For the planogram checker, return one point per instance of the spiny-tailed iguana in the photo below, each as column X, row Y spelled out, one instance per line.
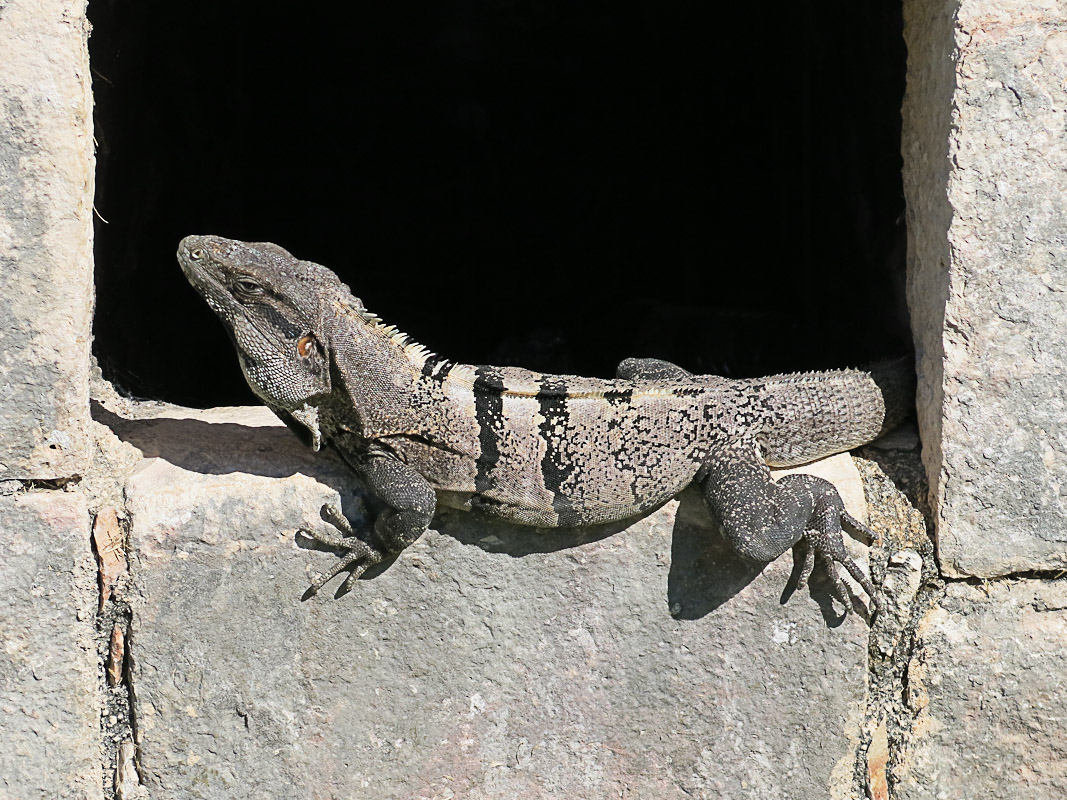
column 542, row 450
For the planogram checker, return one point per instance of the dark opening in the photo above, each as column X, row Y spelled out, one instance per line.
column 521, row 182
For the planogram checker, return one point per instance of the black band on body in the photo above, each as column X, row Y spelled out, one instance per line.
column 556, row 466
column 489, row 414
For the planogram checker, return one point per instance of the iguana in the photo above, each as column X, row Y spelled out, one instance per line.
column 535, row 449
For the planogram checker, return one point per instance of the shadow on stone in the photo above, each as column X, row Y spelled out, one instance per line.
column 705, row 571
column 520, row 541
column 219, row 448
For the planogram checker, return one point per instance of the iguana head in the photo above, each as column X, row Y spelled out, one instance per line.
column 270, row 303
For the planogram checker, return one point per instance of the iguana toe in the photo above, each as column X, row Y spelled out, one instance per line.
column 825, row 543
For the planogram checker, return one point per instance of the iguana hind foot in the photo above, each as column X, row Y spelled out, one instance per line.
column 823, row 540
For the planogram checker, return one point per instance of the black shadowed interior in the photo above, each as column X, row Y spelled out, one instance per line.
column 527, row 183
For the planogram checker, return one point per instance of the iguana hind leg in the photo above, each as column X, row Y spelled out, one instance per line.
column 656, row 369
column 824, row 536
column 762, row 519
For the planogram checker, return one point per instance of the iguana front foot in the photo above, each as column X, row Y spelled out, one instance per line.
column 824, row 539
column 357, row 560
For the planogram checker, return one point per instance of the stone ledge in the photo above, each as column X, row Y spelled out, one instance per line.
column 487, row 661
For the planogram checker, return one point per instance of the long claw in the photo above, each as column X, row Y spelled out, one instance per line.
column 825, row 542
column 328, row 538
column 359, row 557
column 866, row 535
column 344, row 563
column 830, row 549
column 359, row 553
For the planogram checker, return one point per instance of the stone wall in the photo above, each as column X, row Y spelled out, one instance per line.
column 46, row 235
column 49, row 703
column 985, row 145
column 186, row 660
column 984, row 152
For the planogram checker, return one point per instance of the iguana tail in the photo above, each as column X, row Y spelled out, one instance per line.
column 814, row 415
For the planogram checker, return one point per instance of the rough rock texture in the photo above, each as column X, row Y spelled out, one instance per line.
column 988, row 275
column 49, row 706
column 990, row 692
column 46, row 279
column 487, row 661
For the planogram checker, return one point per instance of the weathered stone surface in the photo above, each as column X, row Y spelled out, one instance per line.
column 984, row 145
column 49, row 704
column 927, row 123
column 487, row 661
column 46, row 281
column 988, row 685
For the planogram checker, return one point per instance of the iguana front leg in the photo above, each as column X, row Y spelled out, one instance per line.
column 410, row 502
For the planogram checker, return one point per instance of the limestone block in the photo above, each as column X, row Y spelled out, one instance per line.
column 987, row 684
column 487, row 661
column 46, row 279
column 49, row 703
column 984, row 146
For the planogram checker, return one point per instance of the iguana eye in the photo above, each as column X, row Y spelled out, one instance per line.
column 303, row 346
column 247, row 286
column 196, row 254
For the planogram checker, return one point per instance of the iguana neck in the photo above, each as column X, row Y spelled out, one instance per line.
column 382, row 371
